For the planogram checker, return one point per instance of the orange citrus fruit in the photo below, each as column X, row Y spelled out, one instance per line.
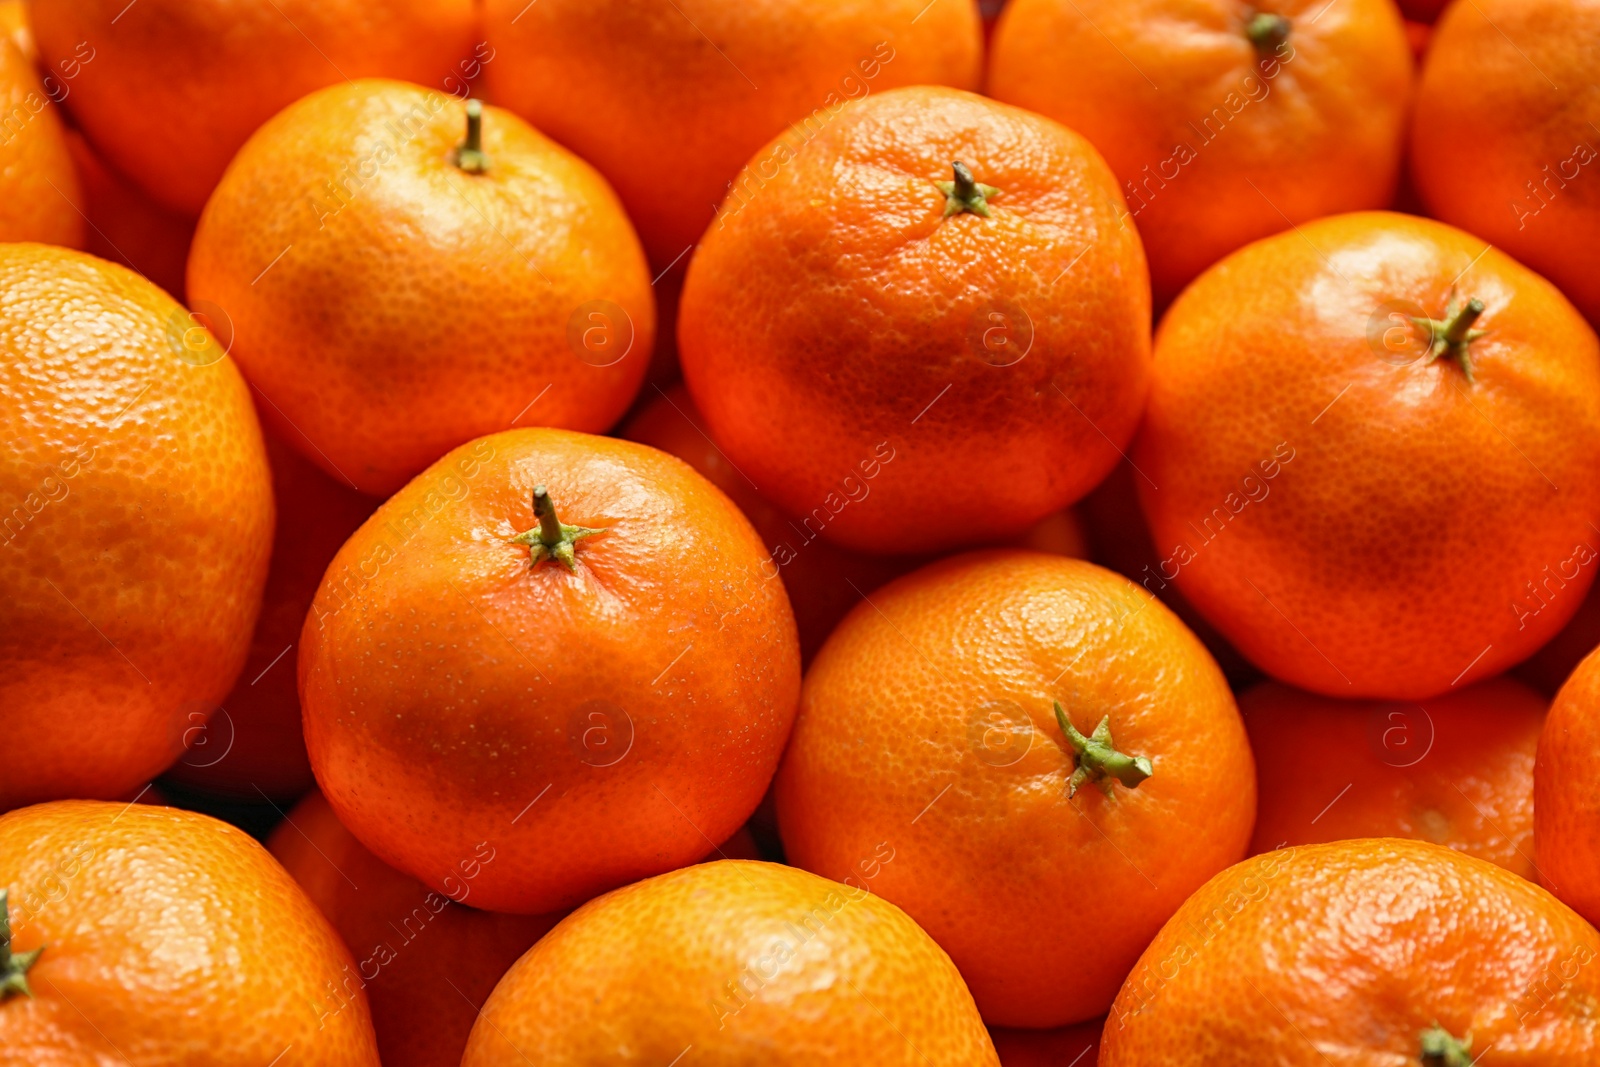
column 571, row 650
column 1456, row 770
column 156, row 938
column 1367, row 456
column 670, row 102
column 462, row 275
column 137, row 527
column 935, row 295
column 1373, row 951
column 1005, row 728
column 733, row 962
column 1224, row 122
column 168, row 90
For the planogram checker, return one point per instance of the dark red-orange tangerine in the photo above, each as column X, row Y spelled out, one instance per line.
column 425, row 958
column 1224, row 122
column 1566, row 797
column 1455, row 770
column 167, row 90
column 1503, row 140
column 670, row 102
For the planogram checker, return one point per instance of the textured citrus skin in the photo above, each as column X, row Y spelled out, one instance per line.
column 1566, row 795
column 1548, row 669
column 591, row 728
column 669, row 101
column 1456, row 770
column 1346, row 952
column 176, row 86
column 254, row 745
column 902, row 745
column 835, row 320
column 425, row 306
column 410, row 943
column 170, row 940
column 1216, row 150
column 744, row 962
column 1507, row 99
column 823, row 580
column 1356, row 521
column 38, row 185
column 136, row 526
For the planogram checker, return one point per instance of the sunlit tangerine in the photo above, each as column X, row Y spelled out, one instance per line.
column 168, row 90
column 571, row 650
column 460, row 275
column 1503, row 139
column 154, row 937
column 38, row 184
column 1223, row 121
column 1368, row 455
column 254, row 745
column 1008, row 728
column 1381, row 950
column 929, row 329
column 411, row 944
column 733, row 962
column 1566, row 795
column 670, row 101
column 138, row 525
column 1455, row 770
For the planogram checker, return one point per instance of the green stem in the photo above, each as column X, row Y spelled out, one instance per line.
column 13, row 965
column 1449, row 338
column 1267, row 31
column 552, row 538
column 469, row 154
column 1098, row 758
column 966, row 193
column 1440, row 1049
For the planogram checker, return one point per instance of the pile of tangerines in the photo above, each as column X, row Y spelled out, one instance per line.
column 1110, row 585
